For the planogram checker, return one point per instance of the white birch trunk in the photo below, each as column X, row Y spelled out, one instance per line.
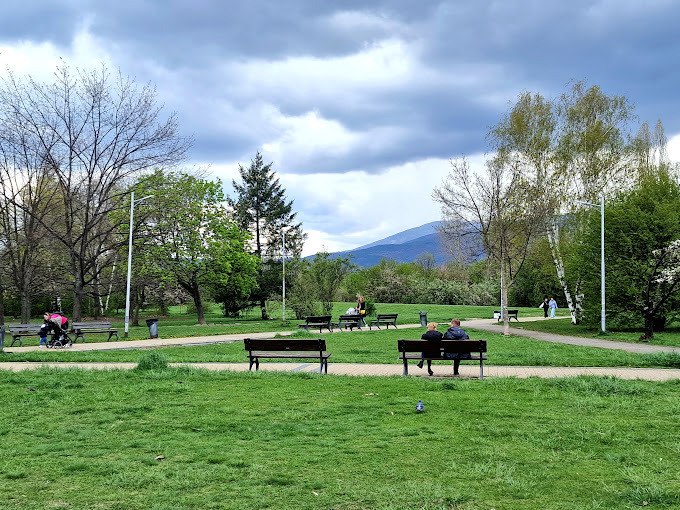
column 553, row 240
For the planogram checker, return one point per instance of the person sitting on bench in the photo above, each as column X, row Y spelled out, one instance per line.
column 455, row 332
column 433, row 336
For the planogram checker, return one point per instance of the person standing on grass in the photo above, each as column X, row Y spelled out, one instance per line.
column 552, row 304
column 455, row 332
column 545, row 306
column 434, row 337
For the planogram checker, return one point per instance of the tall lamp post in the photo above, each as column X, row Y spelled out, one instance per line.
column 129, row 271
column 603, row 319
column 283, row 237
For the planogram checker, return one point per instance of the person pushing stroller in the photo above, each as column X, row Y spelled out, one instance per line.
column 57, row 325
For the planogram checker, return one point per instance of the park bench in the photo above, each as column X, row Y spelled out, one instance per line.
column 348, row 321
column 512, row 314
column 384, row 318
column 443, row 350
column 317, row 321
column 20, row 330
column 289, row 348
column 80, row 328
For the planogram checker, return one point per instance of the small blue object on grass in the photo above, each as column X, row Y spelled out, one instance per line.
column 420, row 407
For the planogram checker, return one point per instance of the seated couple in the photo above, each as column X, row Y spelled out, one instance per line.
column 455, row 332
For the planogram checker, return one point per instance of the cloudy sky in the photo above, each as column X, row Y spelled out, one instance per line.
column 359, row 105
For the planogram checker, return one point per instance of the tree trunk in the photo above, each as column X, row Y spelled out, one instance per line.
column 2, row 305
column 263, row 309
column 649, row 328
column 553, row 241
column 200, row 315
column 504, row 298
column 26, row 306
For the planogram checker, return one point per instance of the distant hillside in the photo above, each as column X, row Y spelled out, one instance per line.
column 405, row 246
column 407, row 235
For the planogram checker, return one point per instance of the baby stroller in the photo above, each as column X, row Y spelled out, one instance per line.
column 59, row 337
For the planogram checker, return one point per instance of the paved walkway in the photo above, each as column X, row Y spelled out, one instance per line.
column 361, row 369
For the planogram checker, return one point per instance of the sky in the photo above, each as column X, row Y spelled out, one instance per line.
column 358, row 105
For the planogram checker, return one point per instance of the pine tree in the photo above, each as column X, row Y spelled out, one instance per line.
column 261, row 208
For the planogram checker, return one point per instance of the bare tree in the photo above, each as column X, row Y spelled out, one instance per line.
column 496, row 207
column 94, row 134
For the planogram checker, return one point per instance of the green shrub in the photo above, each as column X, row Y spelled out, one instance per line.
column 152, row 360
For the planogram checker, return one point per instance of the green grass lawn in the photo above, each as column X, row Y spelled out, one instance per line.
column 380, row 346
column 185, row 439
column 180, row 325
column 670, row 337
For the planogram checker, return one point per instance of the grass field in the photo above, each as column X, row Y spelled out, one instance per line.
column 380, row 346
column 181, row 439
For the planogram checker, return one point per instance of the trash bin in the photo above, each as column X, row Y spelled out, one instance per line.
column 153, row 327
column 2, row 338
column 423, row 319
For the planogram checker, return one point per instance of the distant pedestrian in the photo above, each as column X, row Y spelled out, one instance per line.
column 53, row 322
column 552, row 304
column 545, row 305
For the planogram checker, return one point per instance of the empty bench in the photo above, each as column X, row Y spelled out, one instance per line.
column 445, row 350
column 20, row 330
column 317, row 321
column 348, row 321
column 80, row 328
column 384, row 318
column 289, row 348
column 512, row 314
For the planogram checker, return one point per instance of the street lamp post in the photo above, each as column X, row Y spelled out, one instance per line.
column 129, row 271
column 283, row 234
column 603, row 316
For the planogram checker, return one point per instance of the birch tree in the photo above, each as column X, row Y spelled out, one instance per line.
column 571, row 149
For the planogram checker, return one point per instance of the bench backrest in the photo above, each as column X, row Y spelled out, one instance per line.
column 318, row 318
column 457, row 346
column 25, row 328
column 91, row 325
column 284, row 344
column 387, row 316
column 352, row 317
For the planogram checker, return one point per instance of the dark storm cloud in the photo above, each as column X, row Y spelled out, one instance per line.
column 475, row 57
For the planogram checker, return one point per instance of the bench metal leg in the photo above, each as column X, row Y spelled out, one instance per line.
column 481, row 369
column 405, row 373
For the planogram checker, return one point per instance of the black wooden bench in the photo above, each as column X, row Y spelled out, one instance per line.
column 20, row 330
column 442, row 351
column 348, row 321
column 317, row 321
column 80, row 328
column 287, row 348
column 512, row 314
column 384, row 318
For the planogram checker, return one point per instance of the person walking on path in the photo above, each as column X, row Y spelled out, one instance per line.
column 552, row 304
column 545, row 307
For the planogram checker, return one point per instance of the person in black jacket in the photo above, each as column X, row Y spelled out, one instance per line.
column 455, row 332
column 433, row 336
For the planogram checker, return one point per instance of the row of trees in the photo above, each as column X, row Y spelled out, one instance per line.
column 71, row 153
column 547, row 158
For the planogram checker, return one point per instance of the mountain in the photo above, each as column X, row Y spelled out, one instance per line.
column 402, row 247
column 407, row 235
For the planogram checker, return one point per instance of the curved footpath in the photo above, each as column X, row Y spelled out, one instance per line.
column 361, row 369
